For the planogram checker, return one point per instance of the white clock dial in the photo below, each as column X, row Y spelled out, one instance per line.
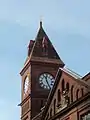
column 46, row 81
column 26, row 84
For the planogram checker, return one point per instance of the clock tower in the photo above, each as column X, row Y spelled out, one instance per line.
column 38, row 74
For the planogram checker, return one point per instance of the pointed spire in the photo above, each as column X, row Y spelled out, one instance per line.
column 43, row 47
column 40, row 24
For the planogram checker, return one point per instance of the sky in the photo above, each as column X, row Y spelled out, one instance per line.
column 66, row 22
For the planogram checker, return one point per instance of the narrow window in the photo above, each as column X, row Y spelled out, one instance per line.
column 54, row 106
column 63, row 85
column 77, row 94
column 58, row 96
column 82, row 92
column 67, row 86
column 72, row 93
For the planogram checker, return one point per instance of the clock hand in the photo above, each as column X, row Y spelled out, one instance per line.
column 47, row 82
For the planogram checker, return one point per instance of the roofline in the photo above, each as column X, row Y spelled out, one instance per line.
column 71, row 73
column 85, row 84
column 86, row 75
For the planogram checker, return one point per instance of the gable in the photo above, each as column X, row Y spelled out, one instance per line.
column 68, row 89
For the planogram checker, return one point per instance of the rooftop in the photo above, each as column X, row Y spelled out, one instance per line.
column 72, row 73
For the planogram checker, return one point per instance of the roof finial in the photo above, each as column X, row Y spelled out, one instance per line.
column 40, row 22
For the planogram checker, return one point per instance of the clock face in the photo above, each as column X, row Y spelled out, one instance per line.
column 46, row 81
column 26, row 84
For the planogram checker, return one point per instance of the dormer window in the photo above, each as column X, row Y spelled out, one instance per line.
column 45, row 46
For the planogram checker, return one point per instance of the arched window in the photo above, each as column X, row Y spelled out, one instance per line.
column 82, row 92
column 58, row 96
column 67, row 86
column 77, row 94
column 51, row 112
column 72, row 93
column 63, row 85
column 54, row 106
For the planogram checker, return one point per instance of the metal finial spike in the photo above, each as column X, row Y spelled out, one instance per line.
column 40, row 23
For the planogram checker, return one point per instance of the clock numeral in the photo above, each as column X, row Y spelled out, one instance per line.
column 45, row 86
column 52, row 82
column 40, row 81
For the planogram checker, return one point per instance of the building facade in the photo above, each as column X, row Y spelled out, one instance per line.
column 70, row 97
column 49, row 91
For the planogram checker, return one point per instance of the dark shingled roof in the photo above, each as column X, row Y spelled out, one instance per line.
column 37, row 47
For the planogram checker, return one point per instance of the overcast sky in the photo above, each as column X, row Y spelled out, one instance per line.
column 66, row 22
